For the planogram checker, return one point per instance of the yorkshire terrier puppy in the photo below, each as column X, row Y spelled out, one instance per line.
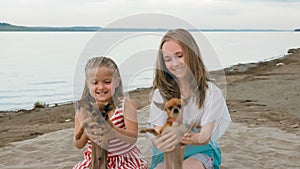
column 98, row 113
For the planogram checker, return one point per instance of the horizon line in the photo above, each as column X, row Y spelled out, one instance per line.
column 99, row 28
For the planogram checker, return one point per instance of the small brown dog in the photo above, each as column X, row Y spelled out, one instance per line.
column 97, row 113
column 173, row 107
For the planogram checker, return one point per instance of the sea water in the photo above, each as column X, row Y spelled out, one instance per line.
column 43, row 66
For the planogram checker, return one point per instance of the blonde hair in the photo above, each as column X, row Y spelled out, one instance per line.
column 165, row 82
column 97, row 62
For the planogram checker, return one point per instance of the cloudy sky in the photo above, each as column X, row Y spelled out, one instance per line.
column 205, row 14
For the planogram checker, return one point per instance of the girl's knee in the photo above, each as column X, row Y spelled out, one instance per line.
column 192, row 163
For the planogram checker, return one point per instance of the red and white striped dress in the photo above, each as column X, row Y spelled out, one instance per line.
column 121, row 155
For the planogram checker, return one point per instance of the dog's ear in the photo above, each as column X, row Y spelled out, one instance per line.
column 93, row 106
column 183, row 102
column 101, row 107
column 111, row 105
column 82, row 103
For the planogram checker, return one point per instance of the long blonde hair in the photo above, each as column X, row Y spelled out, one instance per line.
column 97, row 62
column 165, row 82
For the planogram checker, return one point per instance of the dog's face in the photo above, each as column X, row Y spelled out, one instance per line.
column 173, row 108
column 94, row 109
column 99, row 112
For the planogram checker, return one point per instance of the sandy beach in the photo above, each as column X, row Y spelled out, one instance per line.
column 263, row 100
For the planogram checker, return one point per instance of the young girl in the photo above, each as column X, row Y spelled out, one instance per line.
column 102, row 85
column 181, row 73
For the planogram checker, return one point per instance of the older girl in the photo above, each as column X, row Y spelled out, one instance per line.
column 180, row 72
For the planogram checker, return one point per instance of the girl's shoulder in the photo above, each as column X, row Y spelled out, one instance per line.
column 129, row 103
column 213, row 89
column 156, row 96
column 126, row 104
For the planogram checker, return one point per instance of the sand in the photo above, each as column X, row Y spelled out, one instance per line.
column 263, row 100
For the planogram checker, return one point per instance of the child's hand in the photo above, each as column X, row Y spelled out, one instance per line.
column 186, row 138
column 95, row 132
column 165, row 142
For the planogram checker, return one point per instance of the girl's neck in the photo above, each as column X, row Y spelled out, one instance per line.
column 185, row 88
column 185, row 91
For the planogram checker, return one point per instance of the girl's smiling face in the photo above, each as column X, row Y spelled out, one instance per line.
column 173, row 56
column 101, row 83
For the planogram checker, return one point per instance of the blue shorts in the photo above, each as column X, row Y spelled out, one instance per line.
column 209, row 154
column 208, row 162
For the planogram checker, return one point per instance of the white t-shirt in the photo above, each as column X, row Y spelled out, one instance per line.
column 214, row 109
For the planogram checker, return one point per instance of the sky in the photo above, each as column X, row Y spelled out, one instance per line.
column 204, row 14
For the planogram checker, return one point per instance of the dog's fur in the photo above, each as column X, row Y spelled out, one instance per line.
column 97, row 113
column 173, row 107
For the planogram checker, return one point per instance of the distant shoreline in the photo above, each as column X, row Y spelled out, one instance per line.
column 6, row 27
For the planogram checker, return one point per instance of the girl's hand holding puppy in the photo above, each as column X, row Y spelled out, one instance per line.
column 166, row 141
column 95, row 132
column 187, row 139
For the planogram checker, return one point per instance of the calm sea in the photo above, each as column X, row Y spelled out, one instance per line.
column 44, row 66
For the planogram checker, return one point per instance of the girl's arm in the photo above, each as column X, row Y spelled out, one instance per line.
column 201, row 138
column 83, row 140
column 130, row 132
